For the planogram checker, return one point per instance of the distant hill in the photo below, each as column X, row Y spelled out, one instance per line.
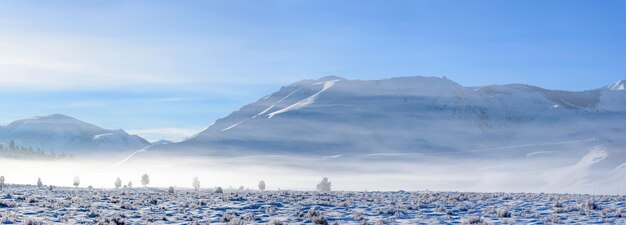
column 65, row 134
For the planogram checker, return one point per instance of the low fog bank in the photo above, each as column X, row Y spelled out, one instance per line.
column 537, row 171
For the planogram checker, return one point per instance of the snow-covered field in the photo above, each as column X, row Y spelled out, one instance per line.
column 32, row 205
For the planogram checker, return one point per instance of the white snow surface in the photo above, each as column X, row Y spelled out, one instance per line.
column 31, row 205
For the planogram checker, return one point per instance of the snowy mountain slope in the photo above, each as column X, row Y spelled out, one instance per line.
column 66, row 134
column 617, row 86
column 335, row 116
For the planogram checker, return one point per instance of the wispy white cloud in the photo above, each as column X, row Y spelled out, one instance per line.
column 63, row 62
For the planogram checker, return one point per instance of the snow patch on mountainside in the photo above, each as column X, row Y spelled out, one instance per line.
column 232, row 126
column 307, row 101
column 196, row 135
column 266, row 110
column 103, row 136
column 617, row 86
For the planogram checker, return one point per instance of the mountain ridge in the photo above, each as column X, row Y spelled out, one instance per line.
column 335, row 113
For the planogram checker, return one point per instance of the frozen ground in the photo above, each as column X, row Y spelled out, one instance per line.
column 32, row 205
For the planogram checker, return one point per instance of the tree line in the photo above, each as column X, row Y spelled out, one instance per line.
column 324, row 185
column 15, row 151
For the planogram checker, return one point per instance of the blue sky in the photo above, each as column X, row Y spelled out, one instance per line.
column 170, row 68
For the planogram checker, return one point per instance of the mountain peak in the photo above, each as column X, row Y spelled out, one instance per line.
column 307, row 82
column 331, row 77
column 55, row 117
column 617, row 86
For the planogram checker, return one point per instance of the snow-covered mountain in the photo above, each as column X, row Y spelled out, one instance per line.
column 335, row 116
column 66, row 134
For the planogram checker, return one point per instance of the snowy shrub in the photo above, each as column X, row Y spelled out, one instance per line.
column 503, row 213
column 231, row 218
column 324, row 185
column 8, row 217
column 319, row 220
column 7, row 204
column 558, row 210
column 32, row 201
column 276, row 222
column 196, row 183
column 118, row 182
column 313, row 212
column 261, row 185
column 170, row 190
column 270, row 209
column 1, row 182
column 553, row 220
column 473, row 220
column 127, row 206
column 76, row 182
column 590, row 205
column 384, row 221
column 39, row 183
column 609, row 212
column 32, row 221
column 358, row 216
column 93, row 213
column 115, row 220
column 130, row 184
column 219, row 190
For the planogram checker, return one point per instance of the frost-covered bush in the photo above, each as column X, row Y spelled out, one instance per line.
column 319, row 220
column 324, row 185
column 196, row 183
column 503, row 213
column 591, row 205
column 262, row 185
column 276, row 222
column 76, row 182
column 7, row 204
column 558, row 210
column 170, row 190
column 39, row 183
column 475, row 220
column 552, row 220
column 115, row 220
column 8, row 217
column 32, row 221
column 118, row 182
column 270, row 209
column 312, row 213
column 219, row 190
